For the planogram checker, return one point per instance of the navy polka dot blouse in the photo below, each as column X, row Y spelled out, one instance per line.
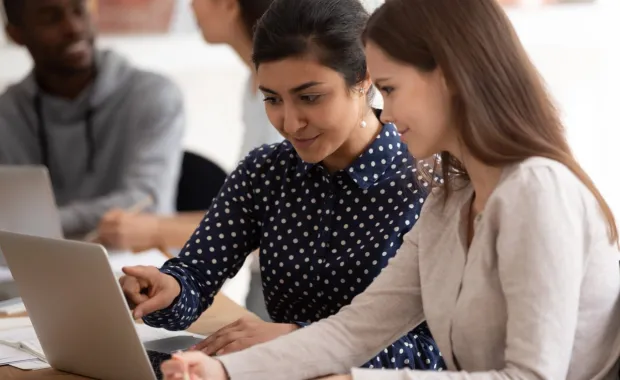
column 323, row 238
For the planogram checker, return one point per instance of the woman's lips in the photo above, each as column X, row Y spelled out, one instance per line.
column 303, row 142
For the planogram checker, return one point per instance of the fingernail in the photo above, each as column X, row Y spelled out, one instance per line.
column 137, row 315
column 177, row 354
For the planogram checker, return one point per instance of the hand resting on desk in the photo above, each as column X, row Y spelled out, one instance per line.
column 120, row 229
column 148, row 289
column 244, row 333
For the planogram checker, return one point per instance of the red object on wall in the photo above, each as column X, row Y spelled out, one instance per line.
column 133, row 16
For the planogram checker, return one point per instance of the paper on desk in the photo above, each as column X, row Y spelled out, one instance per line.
column 14, row 323
column 29, row 365
column 20, row 348
column 17, row 335
column 149, row 334
column 24, row 339
column 118, row 260
column 10, row 355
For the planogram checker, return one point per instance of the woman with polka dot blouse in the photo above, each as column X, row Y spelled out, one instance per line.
column 328, row 207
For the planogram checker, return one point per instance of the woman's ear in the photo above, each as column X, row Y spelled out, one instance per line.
column 231, row 6
column 445, row 86
column 366, row 82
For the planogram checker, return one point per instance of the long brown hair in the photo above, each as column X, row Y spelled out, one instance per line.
column 502, row 108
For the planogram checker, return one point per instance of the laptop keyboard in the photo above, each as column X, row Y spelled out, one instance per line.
column 156, row 358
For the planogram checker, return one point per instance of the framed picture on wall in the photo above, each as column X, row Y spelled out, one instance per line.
column 133, row 16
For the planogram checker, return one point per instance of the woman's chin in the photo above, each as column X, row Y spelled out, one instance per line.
column 310, row 157
column 418, row 152
column 311, row 151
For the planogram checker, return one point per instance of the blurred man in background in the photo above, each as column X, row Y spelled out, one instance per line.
column 109, row 134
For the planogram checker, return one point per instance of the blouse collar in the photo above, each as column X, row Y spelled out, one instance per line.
column 374, row 162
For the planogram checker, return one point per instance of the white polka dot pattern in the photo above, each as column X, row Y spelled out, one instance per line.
column 323, row 238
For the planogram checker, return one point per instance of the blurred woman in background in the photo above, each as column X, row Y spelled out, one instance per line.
column 229, row 22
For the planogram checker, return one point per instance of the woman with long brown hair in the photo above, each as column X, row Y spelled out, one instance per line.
column 514, row 261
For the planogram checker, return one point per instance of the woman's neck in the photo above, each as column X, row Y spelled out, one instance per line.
column 357, row 144
column 484, row 179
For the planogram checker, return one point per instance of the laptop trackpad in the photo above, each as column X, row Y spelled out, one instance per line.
column 172, row 344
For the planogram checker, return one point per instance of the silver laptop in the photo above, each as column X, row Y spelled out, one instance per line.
column 27, row 202
column 79, row 312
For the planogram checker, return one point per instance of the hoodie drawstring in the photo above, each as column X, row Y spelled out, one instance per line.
column 90, row 140
column 43, row 137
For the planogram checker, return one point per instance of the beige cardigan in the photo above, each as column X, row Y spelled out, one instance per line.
column 535, row 297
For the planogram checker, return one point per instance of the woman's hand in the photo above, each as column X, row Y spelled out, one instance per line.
column 193, row 365
column 242, row 334
column 148, row 289
column 196, row 365
column 125, row 230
